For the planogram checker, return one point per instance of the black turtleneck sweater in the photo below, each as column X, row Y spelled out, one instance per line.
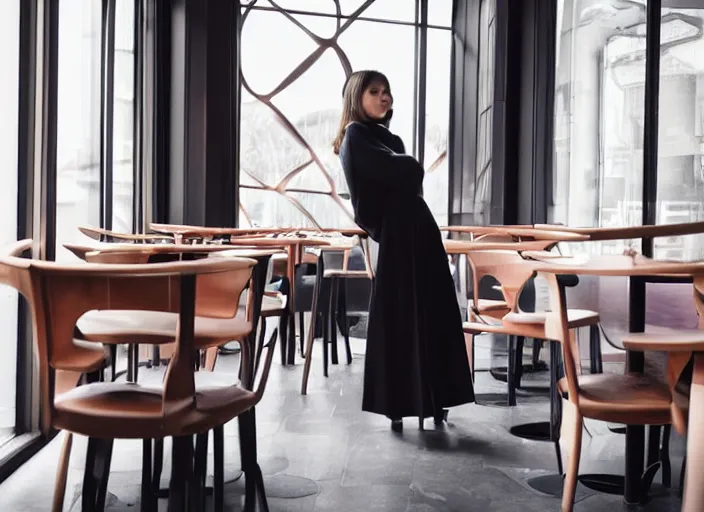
column 377, row 170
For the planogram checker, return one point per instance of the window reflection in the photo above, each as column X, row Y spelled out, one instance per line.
column 599, row 110
column 78, row 122
column 680, row 186
column 9, row 104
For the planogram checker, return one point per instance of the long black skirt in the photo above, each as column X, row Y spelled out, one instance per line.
column 416, row 360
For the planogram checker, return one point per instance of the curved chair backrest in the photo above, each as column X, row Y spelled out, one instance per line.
column 507, row 267
column 60, row 294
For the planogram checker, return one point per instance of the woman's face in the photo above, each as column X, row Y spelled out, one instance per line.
column 376, row 101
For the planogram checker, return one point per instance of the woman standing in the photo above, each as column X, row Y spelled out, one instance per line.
column 416, row 362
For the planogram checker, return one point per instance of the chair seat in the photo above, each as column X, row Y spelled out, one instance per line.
column 134, row 411
column 680, row 340
column 630, row 399
column 488, row 304
column 154, row 327
column 575, row 318
column 272, row 305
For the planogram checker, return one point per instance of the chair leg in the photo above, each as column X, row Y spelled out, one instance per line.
column 332, row 318
column 113, row 362
column 326, row 342
column 665, row 457
column 211, row 358
column 96, row 474
column 148, row 499
column 518, row 365
column 181, row 473
column 218, row 468
column 158, row 465
column 283, row 334
column 570, row 481
column 200, row 466
column 301, row 338
column 511, row 370
column 595, row 361
column 62, row 474
column 260, row 342
column 343, row 320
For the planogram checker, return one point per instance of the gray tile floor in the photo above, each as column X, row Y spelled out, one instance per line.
column 320, row 453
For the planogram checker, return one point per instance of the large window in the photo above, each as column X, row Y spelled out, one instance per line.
column 78, row 188
column 295, row 57
column 95, row 119
column 600, row 120
column 599, row 112
column 9, row 130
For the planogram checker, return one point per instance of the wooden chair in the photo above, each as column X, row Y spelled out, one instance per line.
column 512, row 272
column 631, row 398
column 61, row 294
column 106, row 235
column 87, row 365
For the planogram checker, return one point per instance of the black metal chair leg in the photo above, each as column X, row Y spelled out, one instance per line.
column 518, row 363
column 332, row 318
column 90, row 487
column 200, row 465
column 326, row 343
column 260, row 341
column 158, row 466
column 342, row 319
column 595, row 361
column 219, row 468
column 511, row 370
column 665, row 457
column 148, row 500
column 302, row 337
column 103, row 472
column 181, row 470
column 113, row 362
column 283, row 333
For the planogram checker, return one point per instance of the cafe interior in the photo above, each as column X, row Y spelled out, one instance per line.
column 178, row 252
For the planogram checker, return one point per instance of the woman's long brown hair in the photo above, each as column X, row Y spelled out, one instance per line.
column 352, row 110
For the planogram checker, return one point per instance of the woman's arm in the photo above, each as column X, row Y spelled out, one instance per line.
column 377, row 163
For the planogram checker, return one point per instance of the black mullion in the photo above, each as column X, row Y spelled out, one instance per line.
column 137, row 117
column 416, row 78
column 650, row 124
column 25, row 187
column 422, row 59
column 44, row 225
column 107, row 94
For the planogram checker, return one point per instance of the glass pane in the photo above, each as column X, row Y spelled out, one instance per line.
column 599, row 112
column 9, row 103
column 78, row 122
column 680, row 153
column 437, row 123
column 362, row 41
column 485, row 123
column 290, row 135
column 272, row 47
column 396, row 10
column 324, row 207
column 268, row 208
column 440, row 13
column 123, row 122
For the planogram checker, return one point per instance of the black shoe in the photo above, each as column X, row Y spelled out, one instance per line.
column 397, row 424
column 440, row 417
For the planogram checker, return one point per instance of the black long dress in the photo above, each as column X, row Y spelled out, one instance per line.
column 416, row 361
